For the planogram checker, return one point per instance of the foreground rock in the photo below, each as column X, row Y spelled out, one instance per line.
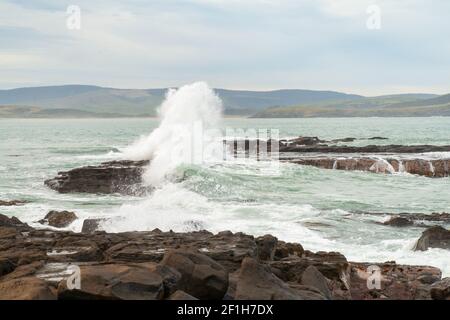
column 43, row 264
column 441, row 290
column 109, row 177
column 434, row 237
column 59, row 219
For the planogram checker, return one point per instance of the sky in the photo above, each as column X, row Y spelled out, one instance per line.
column 343, row 45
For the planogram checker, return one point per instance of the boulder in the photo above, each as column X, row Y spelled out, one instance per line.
column 398, row 222
column 59, row 219
column 257, row 282
column 13, row 222
column 266, row 247
column 122, row 176
column 441, row 290
column 201, row 276
column 91, row 225
column 312, row 277
column 27, row 288
column 124, row 282
column 434, row 237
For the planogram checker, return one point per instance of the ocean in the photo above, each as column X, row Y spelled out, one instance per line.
column 322, row 209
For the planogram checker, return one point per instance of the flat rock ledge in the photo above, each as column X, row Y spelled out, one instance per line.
column 433, row 168
column 122, row 176
column 154, row 265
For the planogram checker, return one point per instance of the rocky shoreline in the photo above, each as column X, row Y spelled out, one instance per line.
column 155, row 265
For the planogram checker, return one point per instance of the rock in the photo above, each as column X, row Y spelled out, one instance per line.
column 441, row 290
column 436, row 168
column 109, row 177
column 396, row 282
column 201, row 276
column 434, row 237
column 305, row 141
column 59, row 219
column 312, row 277
column 266, row 247
column 284, row 250
column 6, row 266
column 378, row 138
column 256, row 282
column 91, row 225
column 28, row 288
column 181, row 295
column 117, row 281
column 13, row 222
column 398, row 222
column 12, row 203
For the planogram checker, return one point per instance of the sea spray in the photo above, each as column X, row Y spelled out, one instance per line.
column 186, row 134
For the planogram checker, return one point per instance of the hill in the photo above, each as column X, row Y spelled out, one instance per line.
column 134, row 102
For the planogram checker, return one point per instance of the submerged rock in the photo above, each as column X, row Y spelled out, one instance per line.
column 398, row 222
column 59, row 219
column 12, row 202
column 109, row 177
column 434, row 237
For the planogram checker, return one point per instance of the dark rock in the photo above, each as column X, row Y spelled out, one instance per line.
column 398, row 222
column 312, row 277
column 378, row 138
column 116, row 281
column 28, row 288
column 201, row 276
column 13, row 222
column 12, row 203
column 6, row 266
column 441, row 290
column 181, row 295
column 434, row 237
column 109, row 177
column 257, row 282
column 91, row 225
column 266, row 247
column 59, row 219
column 284, row 250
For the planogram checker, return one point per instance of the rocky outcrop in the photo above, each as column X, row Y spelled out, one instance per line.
column 12, row 203
column 436, row 168
column 43, row 264
column 59, row 219
column 109, row 177
column 434, row 237
column 398, row 222
column 440, row 290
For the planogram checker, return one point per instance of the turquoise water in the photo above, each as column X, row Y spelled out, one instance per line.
column 315, row 207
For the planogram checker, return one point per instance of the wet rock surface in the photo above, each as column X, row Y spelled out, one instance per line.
column 37, row 264
column 59, row 219
column 434, row 237
column 12, row 203
column 122, row 177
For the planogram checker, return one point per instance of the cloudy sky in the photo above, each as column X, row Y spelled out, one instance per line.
column 236, row 44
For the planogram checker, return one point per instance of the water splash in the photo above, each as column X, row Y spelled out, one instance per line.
column 186, row 113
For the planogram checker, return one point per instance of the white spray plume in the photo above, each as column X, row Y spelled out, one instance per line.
column 183, row 110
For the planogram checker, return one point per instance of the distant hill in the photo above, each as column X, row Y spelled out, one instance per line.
column 403, row 105
column 134, row 102
column 84, row 101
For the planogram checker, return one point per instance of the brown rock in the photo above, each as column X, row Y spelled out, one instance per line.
column 124, row 282
column 434, row 237
column 59, row 219
column 12, row 203
column 312, row 277
column 266, row 247
column 398, row 222
column 441, row 290
column 28, row 288
column 181, row 295
column 201, row 276
column 257, row 282
column 91, row 225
